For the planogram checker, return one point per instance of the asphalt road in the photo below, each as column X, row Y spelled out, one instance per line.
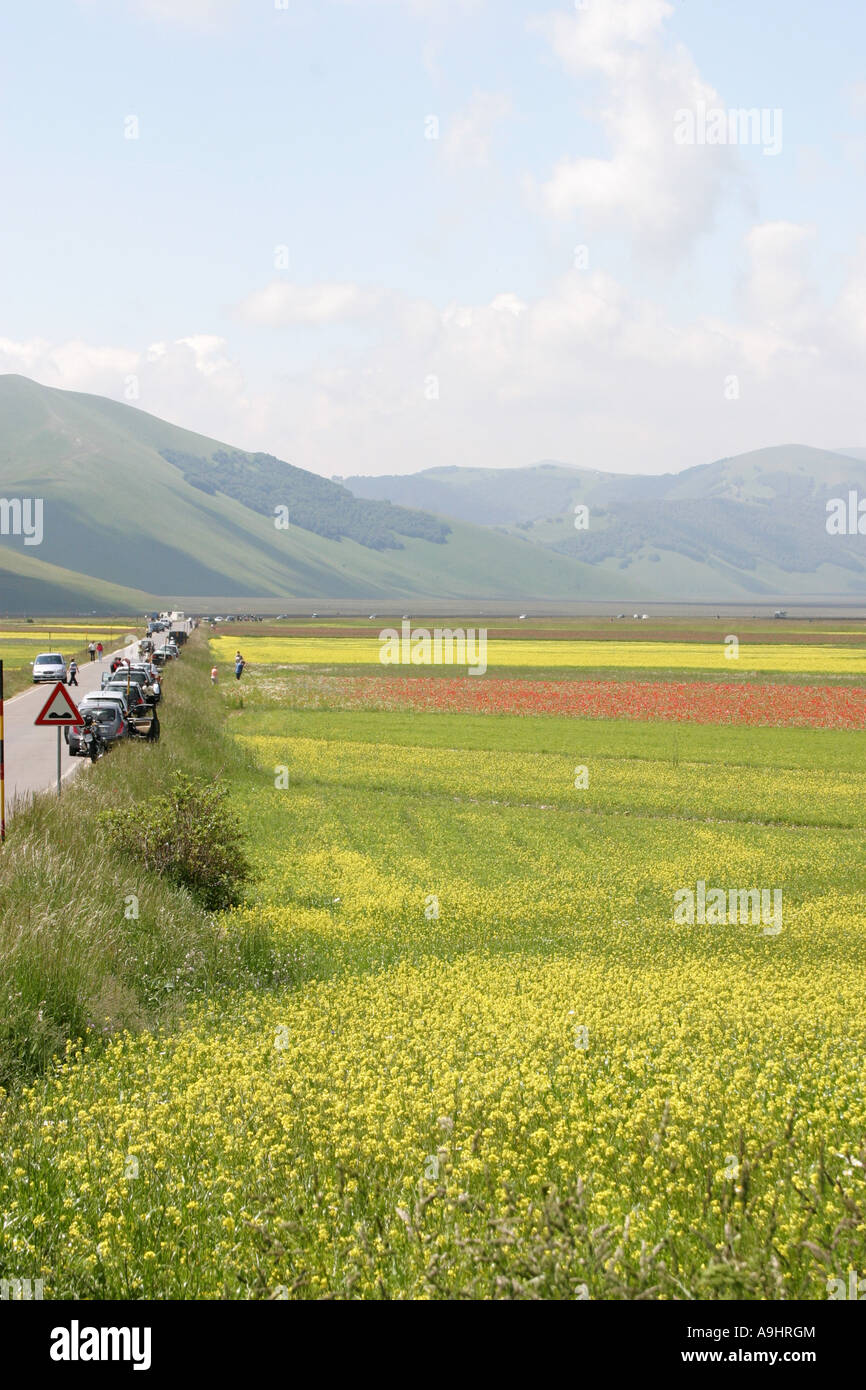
column 31, row 751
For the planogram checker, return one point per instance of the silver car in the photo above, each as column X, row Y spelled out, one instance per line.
column 50, row 666
column 110, row 715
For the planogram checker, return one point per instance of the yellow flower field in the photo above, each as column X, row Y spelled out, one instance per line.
column 578, row 782
column 475, row 1053
column 673, row 656
column 392, row 1112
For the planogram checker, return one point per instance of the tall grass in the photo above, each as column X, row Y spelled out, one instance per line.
column 90, row 940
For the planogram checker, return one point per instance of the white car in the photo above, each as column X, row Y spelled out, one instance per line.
column 50, row 666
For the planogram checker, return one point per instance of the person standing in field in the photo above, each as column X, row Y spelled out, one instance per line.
column 213, row 675
column 239, row 666
column 72, row 678
column 92, row 649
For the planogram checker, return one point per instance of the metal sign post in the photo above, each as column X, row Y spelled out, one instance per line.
column 2, row 767
column 58, row 709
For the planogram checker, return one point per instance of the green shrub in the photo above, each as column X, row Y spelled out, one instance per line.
column 190, row 835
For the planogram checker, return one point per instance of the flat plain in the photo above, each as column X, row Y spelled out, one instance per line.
column 481, row 1056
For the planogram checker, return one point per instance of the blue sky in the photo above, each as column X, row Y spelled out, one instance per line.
column 431, row 310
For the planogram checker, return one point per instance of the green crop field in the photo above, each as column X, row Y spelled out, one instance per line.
column 458, row 1039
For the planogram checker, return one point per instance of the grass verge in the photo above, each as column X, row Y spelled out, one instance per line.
column 90, row 941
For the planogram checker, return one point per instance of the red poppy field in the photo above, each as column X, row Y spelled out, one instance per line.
column 697, row 702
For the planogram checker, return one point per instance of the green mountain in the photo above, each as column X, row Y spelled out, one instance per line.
column 138, row 512
column 136, row 509
column 755, row 523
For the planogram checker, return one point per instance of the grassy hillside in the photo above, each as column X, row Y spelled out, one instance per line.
column 138, row 511
column 136, row 507
column 753, row 524
column 28, row 585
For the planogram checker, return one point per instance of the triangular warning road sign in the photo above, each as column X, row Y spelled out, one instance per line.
column 59, row 708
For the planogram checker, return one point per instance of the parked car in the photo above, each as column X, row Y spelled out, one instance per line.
column 49, row 666
column 150, row 673
column 151, row 684
column 147, row 669
column 131, row 694
column 104, row 697
column 109, row 714
column 137, row 676
column 141, row 679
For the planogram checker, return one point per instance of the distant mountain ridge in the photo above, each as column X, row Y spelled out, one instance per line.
column 751, row 515
column 137, row 509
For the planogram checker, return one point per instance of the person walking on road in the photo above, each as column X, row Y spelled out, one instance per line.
column 72, row 677
column 92, row 649
column 213, row 675
column 99, row 650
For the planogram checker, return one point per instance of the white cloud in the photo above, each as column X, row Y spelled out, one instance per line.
column 192, row 382
column 470, row 133
column 603, row 36
column 281, row 303
column 850, row 310
column 662, row 194
column 75, row 364
column 778, row 288
column 586, row 372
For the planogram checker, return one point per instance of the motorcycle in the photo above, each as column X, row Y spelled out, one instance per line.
column 91, row 740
